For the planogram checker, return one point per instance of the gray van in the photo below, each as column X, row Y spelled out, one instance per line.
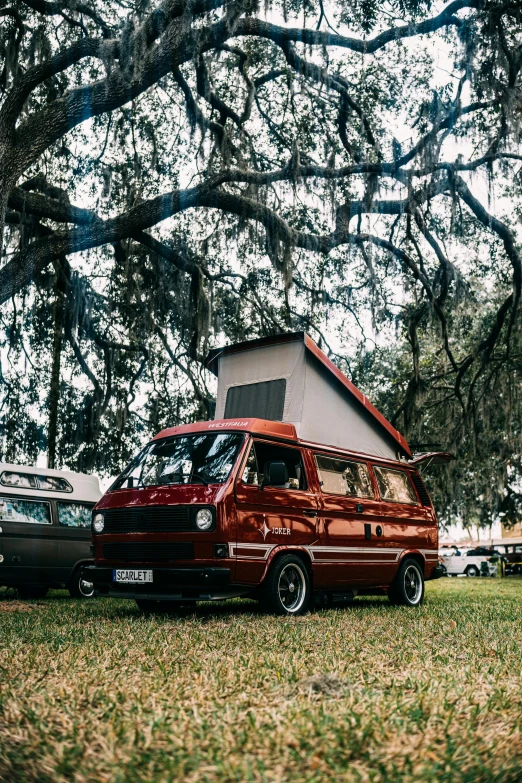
column 45, row 529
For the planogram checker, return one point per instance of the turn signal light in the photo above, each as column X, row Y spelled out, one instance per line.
column 220, row 550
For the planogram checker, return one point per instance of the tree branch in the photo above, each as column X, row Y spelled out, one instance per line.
column 282, row 35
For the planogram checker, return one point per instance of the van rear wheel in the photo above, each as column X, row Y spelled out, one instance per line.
column 32, row 591
column 286, row 589
column 407, row 589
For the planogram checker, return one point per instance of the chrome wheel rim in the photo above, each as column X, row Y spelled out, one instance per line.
column 412, row 584
column 86, row 588
column 291, row 587
column 473, row 571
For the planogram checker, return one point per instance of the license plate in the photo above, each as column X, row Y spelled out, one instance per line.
column 131, row 575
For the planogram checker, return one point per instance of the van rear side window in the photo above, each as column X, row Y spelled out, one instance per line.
column 74, row 514
column 395, row 486
column 29, row 511
column 343, row 477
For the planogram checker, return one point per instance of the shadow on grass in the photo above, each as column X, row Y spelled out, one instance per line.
column 118, row 608
column 11, row 594
column 228, row 610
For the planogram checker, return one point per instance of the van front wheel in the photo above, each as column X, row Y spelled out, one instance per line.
column 79, row 587
column 286, row 589
column 407, row 589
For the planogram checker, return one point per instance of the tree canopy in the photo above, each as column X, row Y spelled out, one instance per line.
column 183, row 172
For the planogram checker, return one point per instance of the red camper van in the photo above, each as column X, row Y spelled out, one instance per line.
column 299, row 490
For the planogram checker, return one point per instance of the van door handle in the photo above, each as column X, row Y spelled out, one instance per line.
column 309, row 513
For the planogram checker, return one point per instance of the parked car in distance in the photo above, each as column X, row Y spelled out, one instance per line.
column 45, row 529
column 442, row 566
column 510, row 549
column 468, row 562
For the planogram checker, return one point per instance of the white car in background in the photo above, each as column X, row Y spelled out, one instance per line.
column 468, row 562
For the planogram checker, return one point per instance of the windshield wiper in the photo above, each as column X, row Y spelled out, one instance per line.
column 200, row 477
column 185, row 475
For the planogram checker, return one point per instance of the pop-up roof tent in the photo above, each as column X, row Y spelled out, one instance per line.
column 288, row 378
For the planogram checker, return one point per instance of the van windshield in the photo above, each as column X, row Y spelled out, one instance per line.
column 183, row 459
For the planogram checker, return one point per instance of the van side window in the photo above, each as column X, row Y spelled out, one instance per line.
column 260, row 458
column 395, row 486
column 54, row 484
column 30, row 511
column 33, row 481
column 343, row 477
column 250, row 471
column 74, row 514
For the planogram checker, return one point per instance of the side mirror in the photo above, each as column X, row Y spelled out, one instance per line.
column 275, row 474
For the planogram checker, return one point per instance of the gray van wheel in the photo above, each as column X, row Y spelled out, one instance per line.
column 286, row 589
column 407, row 589
column 32, row 591
column 79, row 587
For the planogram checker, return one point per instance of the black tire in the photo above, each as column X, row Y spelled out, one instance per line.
column 407, row 589
column 472, row 570
column 79, row 587
column 32, row 591
column 286, row 589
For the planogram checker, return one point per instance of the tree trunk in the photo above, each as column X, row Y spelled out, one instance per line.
column 9, row 173
column 4, row 192
column 54, row 392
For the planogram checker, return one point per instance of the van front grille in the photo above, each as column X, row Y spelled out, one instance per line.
column 148, row 552
column 148, row 519
column 421, row 489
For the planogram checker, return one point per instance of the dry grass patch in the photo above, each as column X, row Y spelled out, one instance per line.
column 93, row 691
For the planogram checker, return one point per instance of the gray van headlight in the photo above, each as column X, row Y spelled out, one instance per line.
column 204, row 519
column 98, row 523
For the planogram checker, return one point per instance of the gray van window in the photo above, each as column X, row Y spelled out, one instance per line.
column 74, row 514
column 31, row 511
column 53, row 484
column 10, row 478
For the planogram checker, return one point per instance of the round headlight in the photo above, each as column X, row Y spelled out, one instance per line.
column 98, row 523
column 204, row 519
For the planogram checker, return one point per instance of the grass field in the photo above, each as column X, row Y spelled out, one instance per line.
column 92, row 691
